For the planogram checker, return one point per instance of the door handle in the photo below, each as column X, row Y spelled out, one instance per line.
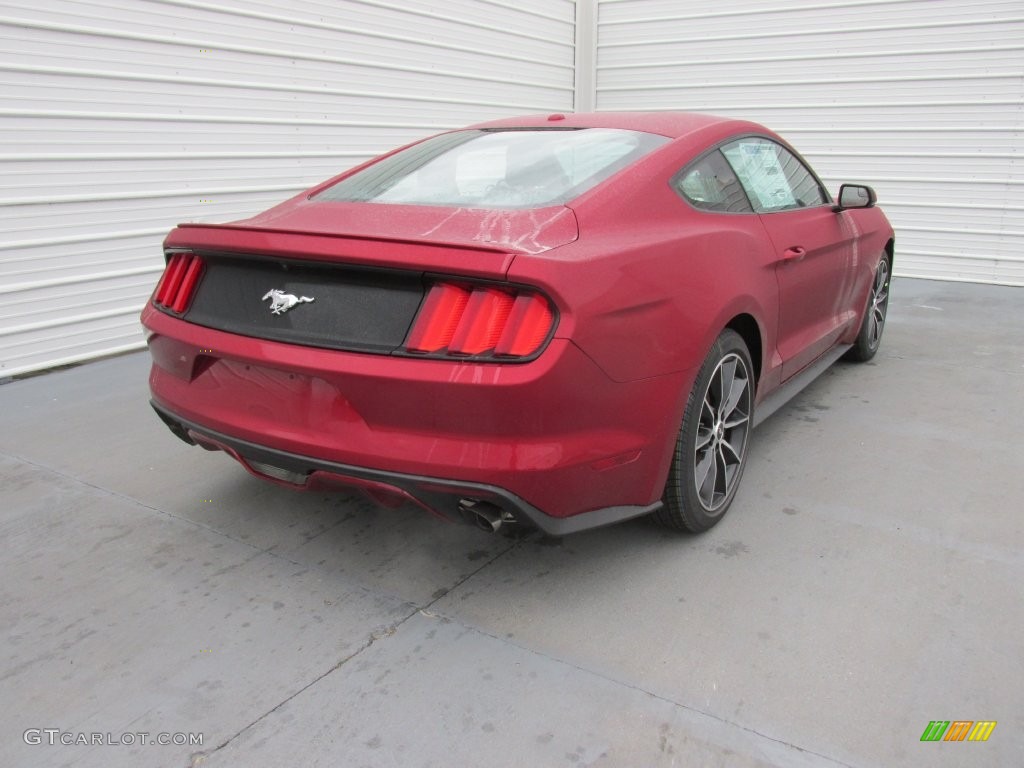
column 796, row 252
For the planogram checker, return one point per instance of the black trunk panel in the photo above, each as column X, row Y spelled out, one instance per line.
column 352, row 309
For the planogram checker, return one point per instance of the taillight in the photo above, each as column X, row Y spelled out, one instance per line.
column 174, row 291
column 480, row 321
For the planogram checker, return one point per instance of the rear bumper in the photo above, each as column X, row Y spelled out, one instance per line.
column 551, row 440
column 444, row 498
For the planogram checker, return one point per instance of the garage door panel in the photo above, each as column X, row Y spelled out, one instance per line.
column 203, row 33
column 908, row 141
column 634, row 65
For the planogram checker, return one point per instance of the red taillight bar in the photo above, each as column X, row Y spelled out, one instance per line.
column 480, row 321
column 174, row 291
column 529, row 324
column 435, row 324
column 188, row 284
column 170, row 281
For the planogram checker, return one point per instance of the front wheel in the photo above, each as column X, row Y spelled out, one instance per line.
column 870, row 335
column 711, row 448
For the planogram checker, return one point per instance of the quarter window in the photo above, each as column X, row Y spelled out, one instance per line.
column 711, row 184
column 774, row 179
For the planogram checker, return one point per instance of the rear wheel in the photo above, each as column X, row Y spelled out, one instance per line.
column 870, row 335
column 711, row 449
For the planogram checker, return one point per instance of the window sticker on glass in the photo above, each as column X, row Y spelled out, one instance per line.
column 758, row 165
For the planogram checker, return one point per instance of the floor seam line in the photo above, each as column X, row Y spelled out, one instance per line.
column 197, row 758
column 644, row 691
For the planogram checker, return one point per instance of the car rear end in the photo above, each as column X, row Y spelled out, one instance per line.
column 373, row 333
column 416, row 372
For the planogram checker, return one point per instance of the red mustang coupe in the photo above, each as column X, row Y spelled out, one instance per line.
column 559, row 321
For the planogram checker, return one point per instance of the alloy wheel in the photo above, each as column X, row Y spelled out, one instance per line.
column 879, row 303
column 722, row 433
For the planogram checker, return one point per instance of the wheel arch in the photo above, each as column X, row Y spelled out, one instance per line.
column 750, row 331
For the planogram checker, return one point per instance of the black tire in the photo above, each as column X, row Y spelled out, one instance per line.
column 870, row 335
column 711, row 449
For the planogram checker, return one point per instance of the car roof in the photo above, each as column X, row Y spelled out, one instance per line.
column 670, row 124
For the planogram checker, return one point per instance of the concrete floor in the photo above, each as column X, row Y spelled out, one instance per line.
column 867, row 580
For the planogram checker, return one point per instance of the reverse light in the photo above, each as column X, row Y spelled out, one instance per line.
column 181, row 276
column 480, row 321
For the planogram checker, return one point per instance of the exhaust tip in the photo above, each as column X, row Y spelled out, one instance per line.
column 484, row 515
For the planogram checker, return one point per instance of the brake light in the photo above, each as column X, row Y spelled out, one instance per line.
column 181, row 276
column 435, row 325
column 528, row 326
column 480, row 321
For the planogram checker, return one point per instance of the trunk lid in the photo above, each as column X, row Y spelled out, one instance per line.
column 524, row 231
column 350, row 276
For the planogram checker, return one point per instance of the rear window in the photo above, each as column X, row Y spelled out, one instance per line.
column 497, row 169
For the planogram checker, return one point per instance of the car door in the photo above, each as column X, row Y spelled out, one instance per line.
column 814, row 248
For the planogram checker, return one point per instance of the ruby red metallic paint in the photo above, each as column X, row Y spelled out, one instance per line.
column 641, row 284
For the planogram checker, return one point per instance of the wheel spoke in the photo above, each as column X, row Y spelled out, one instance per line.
column 729, row 471
column 707, row 476
column 727, row 446
column 704, row 467
column 713, row 398
column 722, row 474
column 704, row 435
column 707, row 413
column 727, row 376
column 739, row 386
column 881, row 281
column 741, row 418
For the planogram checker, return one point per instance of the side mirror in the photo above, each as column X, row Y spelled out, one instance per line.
column 855, row 196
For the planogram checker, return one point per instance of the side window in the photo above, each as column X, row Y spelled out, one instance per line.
column 711, row 184
column 774, row 179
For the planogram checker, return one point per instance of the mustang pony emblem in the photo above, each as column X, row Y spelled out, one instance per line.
column 281, row 302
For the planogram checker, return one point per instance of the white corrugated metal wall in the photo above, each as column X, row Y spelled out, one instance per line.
column 120, row 118
column 923, row 99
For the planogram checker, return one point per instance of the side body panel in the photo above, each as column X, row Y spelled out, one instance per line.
column 815, row 252
column 825, row 263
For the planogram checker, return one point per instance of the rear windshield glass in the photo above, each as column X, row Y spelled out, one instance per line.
column 497, row 168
